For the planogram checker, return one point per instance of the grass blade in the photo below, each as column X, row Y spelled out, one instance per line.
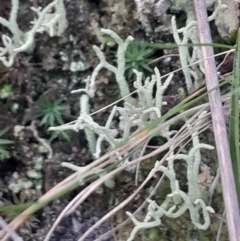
column 234, row 118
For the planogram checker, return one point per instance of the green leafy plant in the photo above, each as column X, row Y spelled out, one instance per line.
column 57, row 134
column 137, row 57
column 50, row 111
column 12, row 209
column 3, row 152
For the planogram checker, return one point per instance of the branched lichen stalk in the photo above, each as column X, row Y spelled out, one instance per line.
column 178, row 201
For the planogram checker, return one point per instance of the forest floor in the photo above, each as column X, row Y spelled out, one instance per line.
column 48, row 73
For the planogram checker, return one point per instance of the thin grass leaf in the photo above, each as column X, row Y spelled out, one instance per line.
column 4, row 154
column 59, row 118
column 16, row 208
column 3, row 131
column 5, row 142
column 146, row 67
column 57, row 134
column 174, row 45
column 234, row 118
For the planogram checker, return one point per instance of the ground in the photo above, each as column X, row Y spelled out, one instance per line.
column 47, row 73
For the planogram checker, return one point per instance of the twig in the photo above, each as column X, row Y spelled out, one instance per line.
column 10, row 231
column 154, row 61
column 121, row 225
column 219, row 126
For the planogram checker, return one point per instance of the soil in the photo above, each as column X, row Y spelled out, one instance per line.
column 46, row 73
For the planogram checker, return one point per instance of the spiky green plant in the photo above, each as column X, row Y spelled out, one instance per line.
column 137, row 57
column 49, row 111
column 11, row 209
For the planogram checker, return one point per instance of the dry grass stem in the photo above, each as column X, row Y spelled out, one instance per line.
column 181, row 136
column 85, row 172
column 219, row 126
